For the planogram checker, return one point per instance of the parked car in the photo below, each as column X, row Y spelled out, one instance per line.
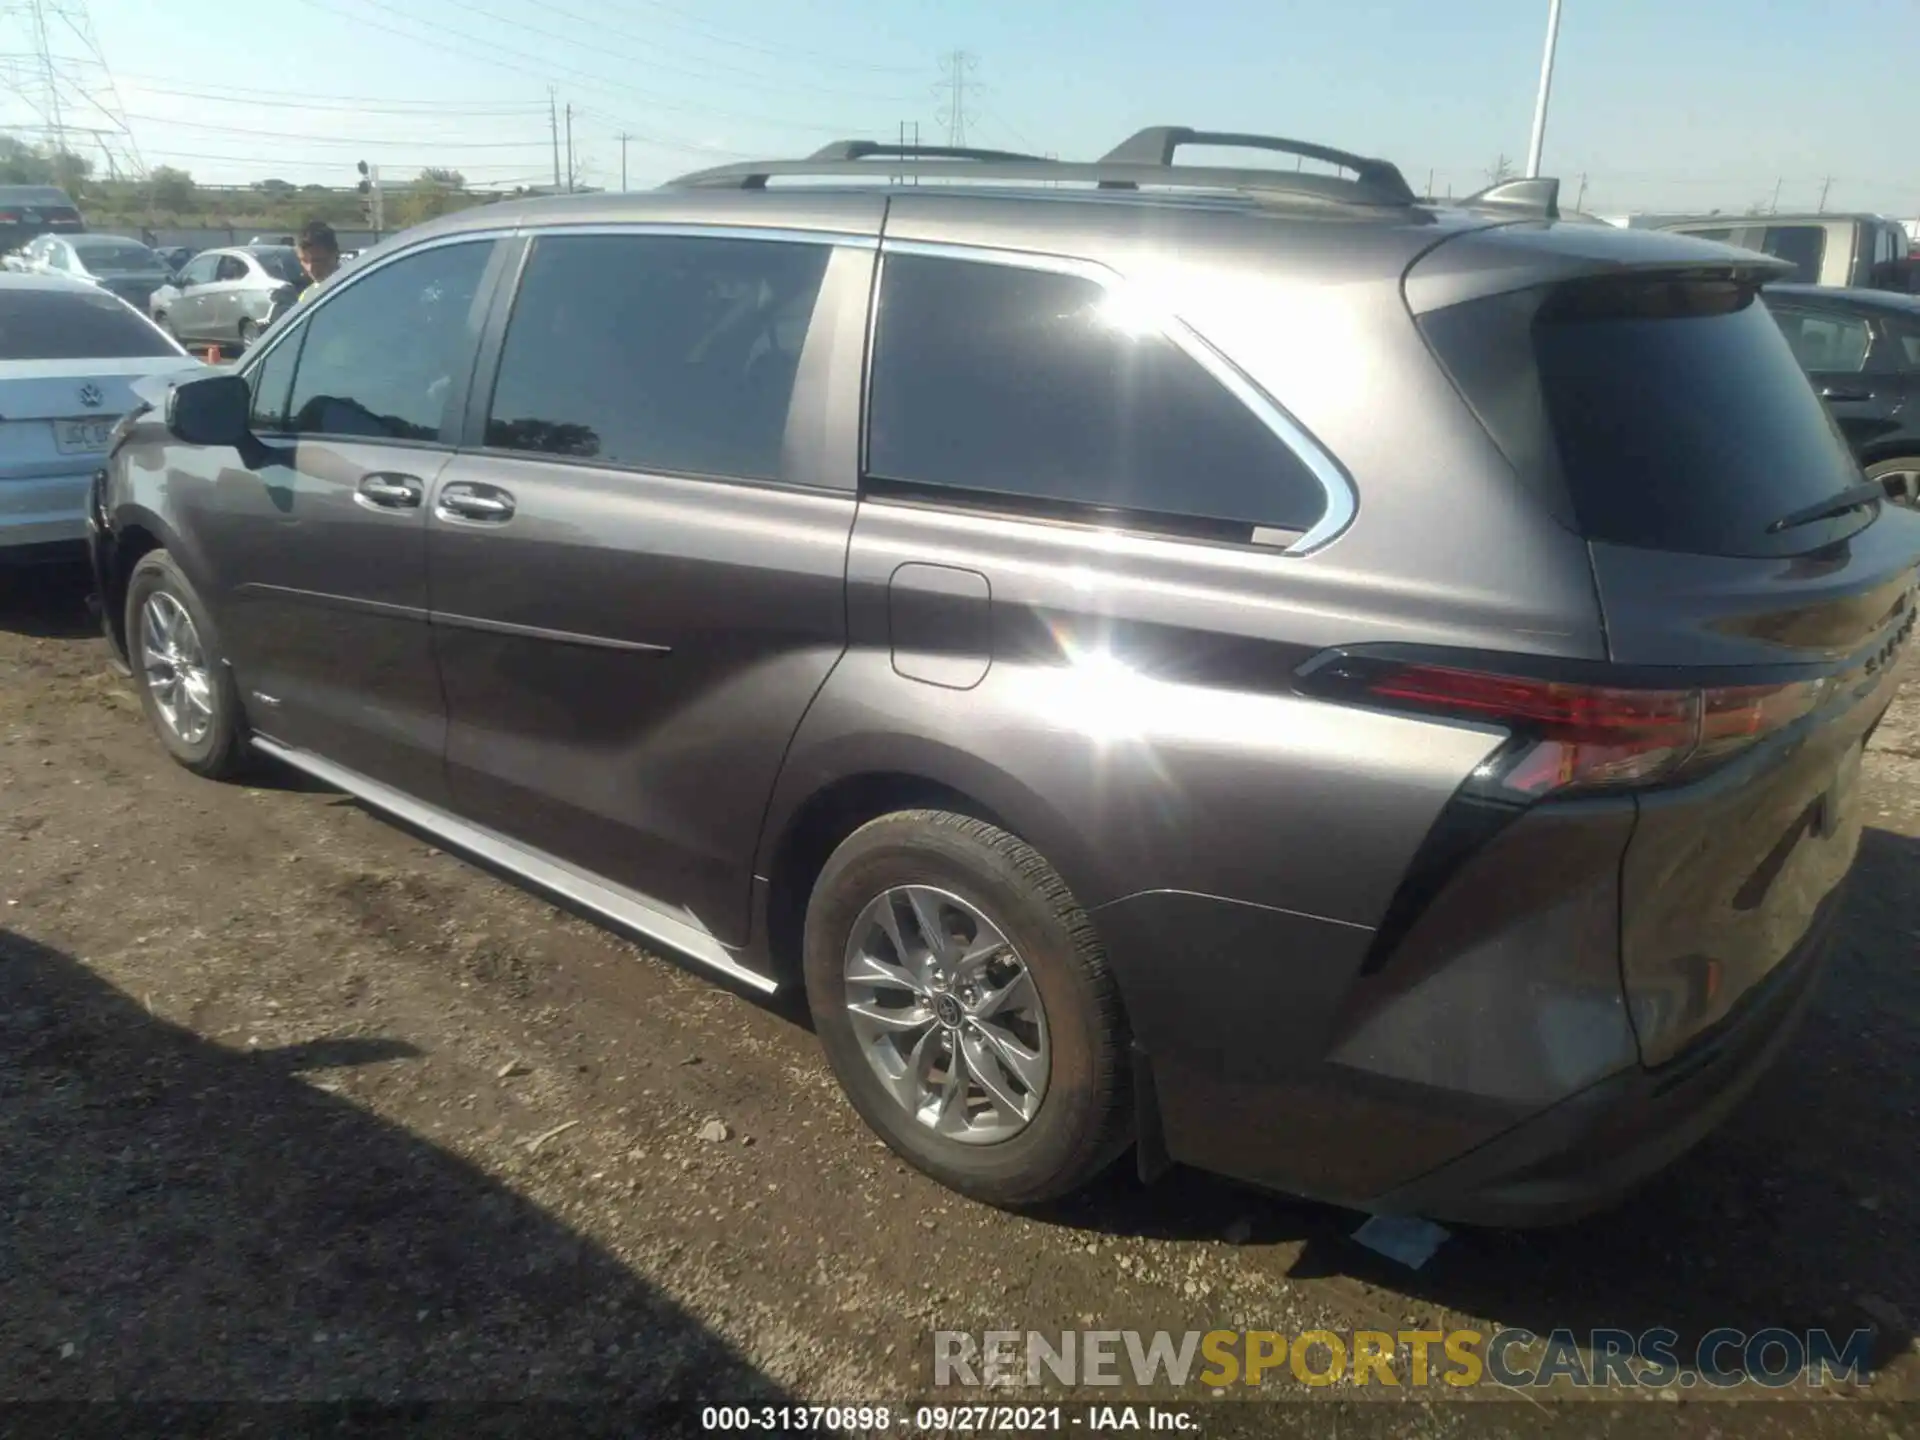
column 1862, row 350
column 1133, row 662
column 29, row 211
column 69, row 352
column 113, row 262
column 226, row 297
column 1867, row 252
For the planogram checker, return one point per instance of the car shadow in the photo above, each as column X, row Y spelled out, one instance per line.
column 49, row 601
column 1796, row 1213
column 188, row 1221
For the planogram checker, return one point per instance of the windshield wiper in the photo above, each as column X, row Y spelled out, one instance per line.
column 1852, row 498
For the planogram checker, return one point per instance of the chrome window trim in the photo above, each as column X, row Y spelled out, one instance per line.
column 675, row 230
column 1342, row 499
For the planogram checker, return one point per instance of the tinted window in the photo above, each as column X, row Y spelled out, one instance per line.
column 116, row 255
column 232, row 267
column 994, row 378
column 1825, row 341
column 270, row 381
column 1669, row 416
column 57, row 325
column 282, row 264
column 380, row 356
column 664, row 353
column 1802, row 246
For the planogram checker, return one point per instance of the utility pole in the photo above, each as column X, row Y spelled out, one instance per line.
column 1429, row 183
column 1580, row 199
column 1774, row 209
column 624, row 137
column 957, row 67
column 569, row 149
column 1546, row 86
column 1825, row 185
column 553, row 124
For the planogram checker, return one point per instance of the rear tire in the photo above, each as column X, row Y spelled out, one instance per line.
column 184, row 684
column 1010, row 1134
column 1901, row 476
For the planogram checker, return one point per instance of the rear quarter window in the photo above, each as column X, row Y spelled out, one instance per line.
column 1033, row 386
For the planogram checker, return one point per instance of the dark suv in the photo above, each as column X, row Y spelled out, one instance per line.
column 1360, row 696
column 1861, row 348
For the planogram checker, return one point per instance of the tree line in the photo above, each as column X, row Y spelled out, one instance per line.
column 171, row 195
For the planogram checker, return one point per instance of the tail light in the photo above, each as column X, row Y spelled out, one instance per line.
column 1568, row 737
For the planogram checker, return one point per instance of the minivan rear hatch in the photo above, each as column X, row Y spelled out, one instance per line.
column 1739, row 562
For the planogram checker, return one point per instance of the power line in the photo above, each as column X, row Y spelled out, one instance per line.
column 597, row 45
column 350, row 141
column 352, row 107
column 691, row 24
column 326, row 95
column 438, row 39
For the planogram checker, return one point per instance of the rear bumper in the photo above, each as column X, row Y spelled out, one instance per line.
column 48, row 509
column 1588, row 1151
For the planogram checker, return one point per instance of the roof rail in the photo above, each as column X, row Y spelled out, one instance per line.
column 1157, row 143
column 1380, row 184
column 864, row 149
column 1538, row 198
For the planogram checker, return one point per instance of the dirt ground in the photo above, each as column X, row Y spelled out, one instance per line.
column 294, row 1106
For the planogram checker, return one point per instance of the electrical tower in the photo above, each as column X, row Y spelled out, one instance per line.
column 956, row 75
column 55, row 86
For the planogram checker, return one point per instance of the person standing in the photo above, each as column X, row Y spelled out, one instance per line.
column 319, row 251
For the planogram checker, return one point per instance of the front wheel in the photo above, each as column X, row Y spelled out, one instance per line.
column 964, row 1002
column 185, row 687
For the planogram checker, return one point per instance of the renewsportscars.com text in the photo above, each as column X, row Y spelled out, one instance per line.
column 1723, row 1358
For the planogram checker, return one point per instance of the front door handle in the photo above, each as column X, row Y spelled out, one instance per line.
column 392, row 492
column 488, row 504
column 1837, row 392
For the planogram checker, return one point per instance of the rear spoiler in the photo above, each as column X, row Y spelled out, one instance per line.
column 1502, row 257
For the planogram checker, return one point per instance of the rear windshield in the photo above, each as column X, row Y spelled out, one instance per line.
column 124, row 255
column 1670, row 415
column 58, row 325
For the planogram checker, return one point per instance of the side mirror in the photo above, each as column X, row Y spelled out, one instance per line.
column 210, row 410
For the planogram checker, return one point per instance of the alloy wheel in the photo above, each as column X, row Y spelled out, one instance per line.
column 947, row 1014
column 175, row 667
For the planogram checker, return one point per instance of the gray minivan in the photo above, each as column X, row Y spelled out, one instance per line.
column 1362, row 696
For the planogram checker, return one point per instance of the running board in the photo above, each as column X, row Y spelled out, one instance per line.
column 614, row 903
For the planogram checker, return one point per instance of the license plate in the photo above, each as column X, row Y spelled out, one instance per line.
column 83, row 437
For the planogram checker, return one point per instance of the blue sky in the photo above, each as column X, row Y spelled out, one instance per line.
column 1661, row 104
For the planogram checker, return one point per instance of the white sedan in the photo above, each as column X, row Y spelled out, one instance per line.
column 69, row 356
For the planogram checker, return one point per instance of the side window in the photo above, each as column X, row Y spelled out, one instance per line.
column 1909, row 333
column 200, row 271
column 1026, row 383
column 1802, row 246
column 380, row 355
column 271, row 380
column 666, row 353
column 232, row 267
column 1822, row 341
